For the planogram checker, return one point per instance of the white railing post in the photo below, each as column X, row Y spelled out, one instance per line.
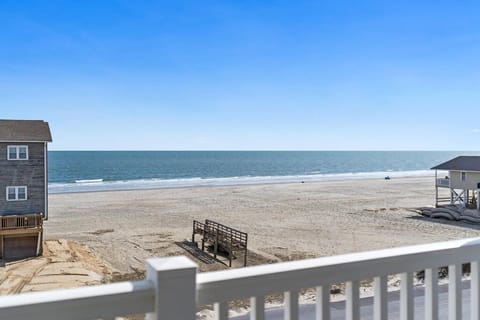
column 174, row 279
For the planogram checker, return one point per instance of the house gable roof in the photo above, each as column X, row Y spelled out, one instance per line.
column 461, row 163
column 24, row 131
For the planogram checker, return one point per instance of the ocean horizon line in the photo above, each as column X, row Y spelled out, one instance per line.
column 253, row 150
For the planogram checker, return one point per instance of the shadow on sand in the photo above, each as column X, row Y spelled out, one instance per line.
column 191, row 248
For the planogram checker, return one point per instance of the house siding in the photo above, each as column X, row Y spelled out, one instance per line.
column 30, row 173
column 470, row 183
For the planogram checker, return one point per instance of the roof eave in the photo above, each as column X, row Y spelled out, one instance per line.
column 24, row 141
column 464, row 170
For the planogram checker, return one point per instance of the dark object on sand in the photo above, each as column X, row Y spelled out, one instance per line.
column 387, row 178
column 451, row 212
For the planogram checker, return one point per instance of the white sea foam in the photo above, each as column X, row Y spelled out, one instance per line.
column 100, row 185
column 89, row 181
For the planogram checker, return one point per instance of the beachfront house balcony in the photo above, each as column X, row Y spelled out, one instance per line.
column 443, row 183
column 21, row 235
column 174, row 290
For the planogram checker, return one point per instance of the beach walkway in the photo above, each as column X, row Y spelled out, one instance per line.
column 64, row 264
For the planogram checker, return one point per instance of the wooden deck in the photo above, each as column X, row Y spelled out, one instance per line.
column 21, row 236
column 21, row 224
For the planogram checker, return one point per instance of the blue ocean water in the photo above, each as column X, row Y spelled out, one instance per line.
column 78, row 171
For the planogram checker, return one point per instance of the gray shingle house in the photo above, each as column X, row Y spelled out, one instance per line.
column 24, row 184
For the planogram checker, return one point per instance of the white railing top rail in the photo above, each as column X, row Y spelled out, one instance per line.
column 95, row 302
column 227, row 285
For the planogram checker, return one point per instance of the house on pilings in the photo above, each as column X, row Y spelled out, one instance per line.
column 463, row 181
column 24, row 181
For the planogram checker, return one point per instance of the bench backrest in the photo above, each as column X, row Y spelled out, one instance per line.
column 237, row 236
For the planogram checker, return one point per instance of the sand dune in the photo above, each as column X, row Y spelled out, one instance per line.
column 64, row 264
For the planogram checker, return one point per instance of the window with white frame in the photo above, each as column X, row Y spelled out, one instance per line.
column 16, row 193
column 17, row 153
column 464, row 176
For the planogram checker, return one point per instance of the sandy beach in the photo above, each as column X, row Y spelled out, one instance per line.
column 99, row 237
column 283, row 221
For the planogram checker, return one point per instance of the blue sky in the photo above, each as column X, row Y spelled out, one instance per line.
column 244, row 75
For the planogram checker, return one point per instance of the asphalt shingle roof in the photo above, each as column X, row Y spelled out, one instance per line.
column 462, row 163
column 24, row 130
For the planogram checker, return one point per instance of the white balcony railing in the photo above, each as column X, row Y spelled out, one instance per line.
column 173, row 288
column 444, row 183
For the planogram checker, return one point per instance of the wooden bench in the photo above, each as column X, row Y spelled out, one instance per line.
column 221, row 237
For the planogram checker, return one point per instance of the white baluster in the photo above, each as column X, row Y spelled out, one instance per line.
column 380, row 298
column 322, row 311
column 455, row 292
column 291, row 305
column 406, row 296
column 353, row 300
column 257, row 304
column 221, row 310
column 431, row 294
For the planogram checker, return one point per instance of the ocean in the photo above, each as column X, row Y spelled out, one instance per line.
column 83, row 171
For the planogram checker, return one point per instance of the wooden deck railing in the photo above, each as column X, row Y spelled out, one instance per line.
column 21, row 221
column 173, row 289
column 220, row 235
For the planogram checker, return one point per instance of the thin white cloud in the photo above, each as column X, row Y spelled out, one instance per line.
column 476, row 130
